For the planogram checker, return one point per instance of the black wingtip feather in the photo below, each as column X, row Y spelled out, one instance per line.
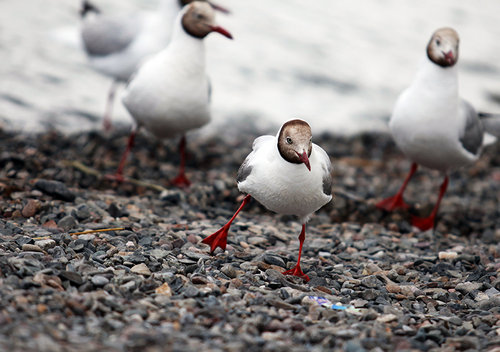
column 87, row 7
column 485, row 115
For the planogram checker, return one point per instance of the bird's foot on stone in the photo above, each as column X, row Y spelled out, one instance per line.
column 297, row 271
column 423, row 224
column 392, row 203
column 181, row 181
column 217, row 239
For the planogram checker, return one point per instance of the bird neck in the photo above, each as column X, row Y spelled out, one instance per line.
column 436, row 79
column 185, row 45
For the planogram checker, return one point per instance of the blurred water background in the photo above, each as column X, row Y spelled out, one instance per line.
column 338, row 64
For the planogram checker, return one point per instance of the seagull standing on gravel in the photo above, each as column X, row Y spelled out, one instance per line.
column 432, row 125
column 170, row 93
column 117, row 44
column 289, row 175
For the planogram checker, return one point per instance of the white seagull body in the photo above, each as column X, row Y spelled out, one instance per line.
column 284, row 187
column 170, row 93
column 288, row 174
column 432, row 125
column 116, row 44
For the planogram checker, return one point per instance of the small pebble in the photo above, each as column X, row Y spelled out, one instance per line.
column 99, row 280
column 141, row 269
column 447, row 255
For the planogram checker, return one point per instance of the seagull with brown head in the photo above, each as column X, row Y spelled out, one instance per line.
column 433, row 125
column 117, row 43
column 170, row 93
column 286, row 173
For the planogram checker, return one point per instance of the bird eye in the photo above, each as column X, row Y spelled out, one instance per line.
column 289, row 140
column 438, row 42
column 199, row 16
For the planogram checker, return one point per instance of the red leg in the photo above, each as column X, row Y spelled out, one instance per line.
column 297, row 271
column 181, row 180
column 106, row 121
column 118, row 176
column 396, row 201
column 427, row 223
column 219, row 238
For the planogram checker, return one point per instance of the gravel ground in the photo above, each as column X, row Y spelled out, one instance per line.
column 147, row 284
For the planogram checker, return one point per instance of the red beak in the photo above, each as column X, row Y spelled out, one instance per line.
column 303, row 158
column 449, row 57
column 219, row 8
column 222, row 31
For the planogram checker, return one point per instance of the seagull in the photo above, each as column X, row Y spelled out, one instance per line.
column 169, row 95
column 117, row 44
column 288, row 174
column 432, row 125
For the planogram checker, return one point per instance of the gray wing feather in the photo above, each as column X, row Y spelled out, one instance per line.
column 327, row 179
column 108, row 35
column 491, row 123
column 209, row 90
column 245, row 168
column 472, row 136
column 243, row 172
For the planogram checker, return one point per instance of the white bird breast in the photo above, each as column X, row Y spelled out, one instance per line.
column 168, row 97
column 284, row 187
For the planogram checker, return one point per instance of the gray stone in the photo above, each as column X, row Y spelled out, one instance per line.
column 466, row 287
column 370, row 281
column 45, row 244
column 487, row 304
column 190, row 291
column 71, row 276
column 99, row 280
column 67, row 222
column 55, row 189
column 274, row 260
column 229, row 270
column 82, row 212
column 141, row 269
column 158, row 253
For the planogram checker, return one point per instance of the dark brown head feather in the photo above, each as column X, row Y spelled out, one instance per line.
column 198, row 19
column 294, row 137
